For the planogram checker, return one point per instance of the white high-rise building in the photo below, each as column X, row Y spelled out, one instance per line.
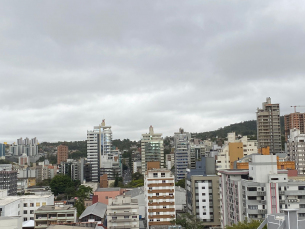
column 26, row 146
column 296, row 149
column 152, row 149
column 99, row 143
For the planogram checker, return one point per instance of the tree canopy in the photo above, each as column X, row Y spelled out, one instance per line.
column 60, row 183
column 252, row 224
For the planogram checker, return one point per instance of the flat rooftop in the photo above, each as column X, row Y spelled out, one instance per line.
column 9, row 199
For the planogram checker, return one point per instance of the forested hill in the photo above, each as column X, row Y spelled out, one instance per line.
column 243, row 128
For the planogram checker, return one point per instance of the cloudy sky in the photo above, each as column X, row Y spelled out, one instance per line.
column 200, row 65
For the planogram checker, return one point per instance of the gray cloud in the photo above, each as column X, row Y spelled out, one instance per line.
column 200, row 65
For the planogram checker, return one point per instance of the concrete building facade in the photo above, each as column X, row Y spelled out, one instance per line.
column 62, row 153
column 159, row 191
column 99, row 143
column 182, row 153
column 122, row 212
column 202, row 192
column 152, row 149
column 268, row 126
column 294, row 121
column 52, row 215
column 258, row 191
column 296, row 149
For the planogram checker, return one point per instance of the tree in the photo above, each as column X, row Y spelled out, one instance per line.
column 80, row 207
column 137, row 176
column 60, row 183
column 188, row 221
column 82, row 193
column 246, row 225
column 181, row 183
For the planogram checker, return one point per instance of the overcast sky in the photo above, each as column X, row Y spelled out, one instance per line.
column 200, row 65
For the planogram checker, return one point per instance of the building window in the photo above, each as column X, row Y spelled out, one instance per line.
column 31, row 211
column 106, row 197
column 25, row 219
column 155, row 174
column 31, row 218
column 162, row 174
column 31, row 204
column 114, row 217
column 43, row 203
column 163, row 181
column 25, row 212
column 25, row 205
column 126, row 217
column 157, row 194
column 134, row 217
column 37, row 204
column 164, row 206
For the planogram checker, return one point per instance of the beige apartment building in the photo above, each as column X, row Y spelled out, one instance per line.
column 49, row 215
column 159, row 191
column 268, row 126
column 122, row 212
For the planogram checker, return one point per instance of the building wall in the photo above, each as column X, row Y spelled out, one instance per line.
column 152, row 149
column 103, row 196
column 62, row 153
column 236, row 152
column 268, row 126
column 159, row 193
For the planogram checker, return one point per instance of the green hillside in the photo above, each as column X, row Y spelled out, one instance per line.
column 243, row 128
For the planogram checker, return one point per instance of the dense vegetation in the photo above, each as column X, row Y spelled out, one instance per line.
column 125, row 144
column 246, row 225
column 243, row 128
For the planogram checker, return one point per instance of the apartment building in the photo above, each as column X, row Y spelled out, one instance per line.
column 122, row 212
column 234, row 149
column 62, row 153
column 296, row 149
column 202, row 192
column 258, row 191
column 294, row 121
column 51, row 215
column 27, row 146
column 268, row 126
column 2, row 151
column 23, row 206
column 170, row 160
column 152, row 148
column 8, row 179
column 182, row 153
column 99, row 143
column 159, row 191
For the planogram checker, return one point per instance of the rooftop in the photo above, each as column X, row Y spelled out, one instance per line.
column 55, row 208
column 10, row 199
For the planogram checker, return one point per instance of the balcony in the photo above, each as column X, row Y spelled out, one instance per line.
column 261, row 193
column 262, row 211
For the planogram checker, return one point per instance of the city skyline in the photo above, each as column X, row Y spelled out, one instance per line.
column 66, row 66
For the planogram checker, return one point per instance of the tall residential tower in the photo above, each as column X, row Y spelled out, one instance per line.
column 268, row 126
column 152, row 149
column 99, row 143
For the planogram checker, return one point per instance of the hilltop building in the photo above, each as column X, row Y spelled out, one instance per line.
column 268, row 126
column 27, row 146
column 152, row 149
